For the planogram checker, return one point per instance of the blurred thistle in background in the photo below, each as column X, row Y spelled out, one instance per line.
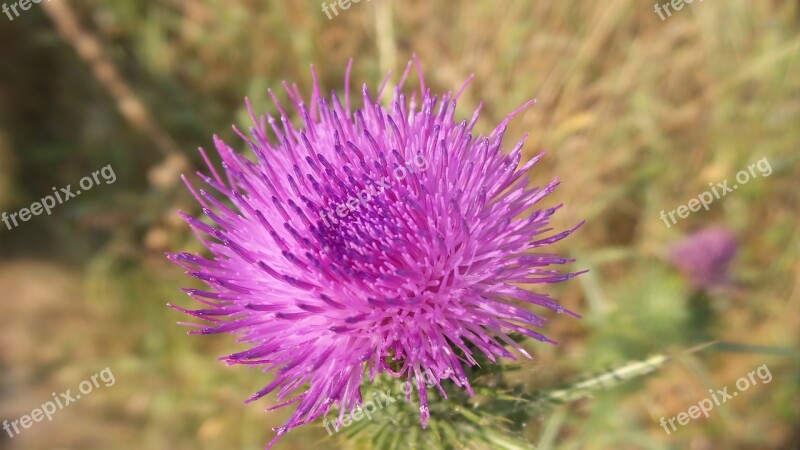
column 638, row 115
column 704, row 257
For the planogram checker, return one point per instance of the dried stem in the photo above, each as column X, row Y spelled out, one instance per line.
column 132, row 109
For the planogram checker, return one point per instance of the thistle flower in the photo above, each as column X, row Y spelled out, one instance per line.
column 413, row 281
column 704, row 257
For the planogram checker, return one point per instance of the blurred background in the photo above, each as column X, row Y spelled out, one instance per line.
column 637, row 115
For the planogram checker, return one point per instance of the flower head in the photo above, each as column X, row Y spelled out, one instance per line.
column 381, row 240
column 704, row 257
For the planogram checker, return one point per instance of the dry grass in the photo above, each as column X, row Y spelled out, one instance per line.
column 637, row 115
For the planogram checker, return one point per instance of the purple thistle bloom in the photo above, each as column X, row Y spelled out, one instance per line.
column 704, row 257
column 412, row 280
